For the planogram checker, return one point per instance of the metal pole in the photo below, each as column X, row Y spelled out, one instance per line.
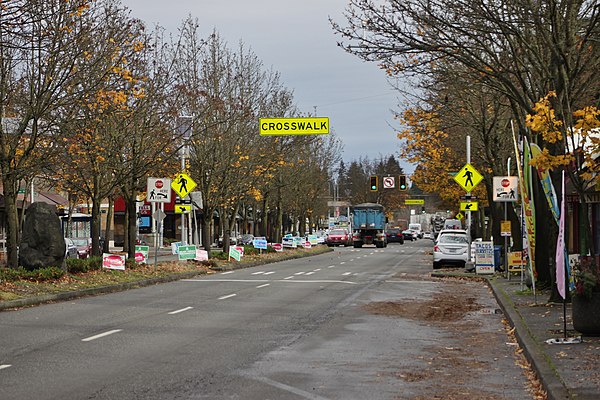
column 469, row 261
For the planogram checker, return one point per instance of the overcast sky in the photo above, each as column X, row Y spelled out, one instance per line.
column 294, row 37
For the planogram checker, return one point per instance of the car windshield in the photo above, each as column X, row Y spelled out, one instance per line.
column 450, row 238
column 393, row 231
column 80, row 242
column 337, row 232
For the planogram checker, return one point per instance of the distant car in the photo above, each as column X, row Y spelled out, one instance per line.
column 394, row 235
column 246, row 239
column 451, row 248
column 409, row 235
column 70, row 249
column 427, row 235
column 84, row 247
column 337, row 237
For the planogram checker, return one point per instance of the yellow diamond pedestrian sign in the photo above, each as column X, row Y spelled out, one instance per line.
column 469, row 206
column 183, row 185
column 468, row 177
column 459, row 216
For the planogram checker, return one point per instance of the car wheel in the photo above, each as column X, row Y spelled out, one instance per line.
column 436, row 265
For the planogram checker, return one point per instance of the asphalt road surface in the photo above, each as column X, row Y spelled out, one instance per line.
column 352, row 324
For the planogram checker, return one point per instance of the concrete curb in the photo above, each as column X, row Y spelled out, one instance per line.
column 535, row 354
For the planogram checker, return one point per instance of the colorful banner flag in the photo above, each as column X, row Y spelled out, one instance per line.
column 560, row 246
column 546, row 181
column 525, row 184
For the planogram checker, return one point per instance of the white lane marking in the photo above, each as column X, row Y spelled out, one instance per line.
column 352, row 259
column 347, row 273
column 298, row 273
column 316, row 270
column 281, row 386
column 343, row 262
column 258, row 273
column 409, row 281
column 100, row 335
column 227, row 297
column 262, row 286
column 309, row 273
column 224, row 280
column 269, row 273
column 289, row 277
column 4, row 366
column 227, row 273
column 331, row 266
column 297, row 281
column 180, row 311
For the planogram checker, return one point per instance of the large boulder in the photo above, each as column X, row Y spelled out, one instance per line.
column 42, row 242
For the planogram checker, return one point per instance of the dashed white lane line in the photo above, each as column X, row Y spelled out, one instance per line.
column 347, row 273
column 309, row 273
column 289, row 277
column 227, row 296
column 4, row 366
column 101, row 335
column 258, row 272
column 331, row 266
column 262, row 286
column 269, row 273
column 343, row 262
column 180, row 310
column 316, row 270
column 298, row 273
column 227, row 273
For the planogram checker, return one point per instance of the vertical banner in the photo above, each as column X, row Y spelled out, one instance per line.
column 560, row 246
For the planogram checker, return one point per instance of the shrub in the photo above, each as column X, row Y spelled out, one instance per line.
column 37, row 275
column 75, row 266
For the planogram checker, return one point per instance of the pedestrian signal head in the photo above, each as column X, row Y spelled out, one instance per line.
column 403, row 185
column 373, row 184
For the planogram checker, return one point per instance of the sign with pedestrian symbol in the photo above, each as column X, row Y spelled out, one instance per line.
column 183, row 184
column 468, row 177
column 469, row 206
column 158, row 190
column 506, row 188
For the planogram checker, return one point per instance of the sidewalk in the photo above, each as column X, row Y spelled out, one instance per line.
column 567, row 371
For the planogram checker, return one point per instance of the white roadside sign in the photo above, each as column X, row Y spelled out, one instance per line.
column 506, row 188
column 158, row 190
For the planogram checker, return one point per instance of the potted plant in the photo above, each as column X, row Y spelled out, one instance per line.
column 586, row 296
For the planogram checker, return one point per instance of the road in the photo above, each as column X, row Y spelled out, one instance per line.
column 352, row 324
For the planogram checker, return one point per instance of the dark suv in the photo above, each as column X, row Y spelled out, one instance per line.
column 394, row 235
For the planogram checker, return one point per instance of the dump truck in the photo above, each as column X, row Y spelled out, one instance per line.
column 368, row 225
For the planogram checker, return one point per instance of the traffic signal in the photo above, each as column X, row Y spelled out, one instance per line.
column 374, row 184
column 403, row 185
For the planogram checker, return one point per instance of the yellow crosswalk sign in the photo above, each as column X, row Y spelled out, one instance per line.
column 468, row 177
column 469, row 206
column 183, row 208
column 459, row 216
column 183, row 184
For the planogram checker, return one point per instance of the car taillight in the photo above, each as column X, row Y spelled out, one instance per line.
column 436, row 248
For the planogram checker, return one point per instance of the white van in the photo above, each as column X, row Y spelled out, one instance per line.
column 417, row 229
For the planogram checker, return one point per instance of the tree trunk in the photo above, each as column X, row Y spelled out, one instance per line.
column 108, row 230
column 12, row 224
column 96, row 226
column 131, row 228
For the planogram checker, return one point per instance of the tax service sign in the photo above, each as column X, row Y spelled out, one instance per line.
column 294, row 126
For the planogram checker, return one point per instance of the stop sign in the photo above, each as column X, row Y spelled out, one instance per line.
column 505, row 183
column 159, row 184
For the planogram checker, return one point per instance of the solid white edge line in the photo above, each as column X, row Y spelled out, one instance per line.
column 4, row 366
column 179, row 311
column 100, row 335
column 228, row 296
column 262, row 286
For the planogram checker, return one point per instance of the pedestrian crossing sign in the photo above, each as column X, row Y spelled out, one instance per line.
column 468, row 177
column 469, row 206
column 183, row 184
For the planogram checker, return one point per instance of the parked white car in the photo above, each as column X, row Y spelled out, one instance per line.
column 451, row 248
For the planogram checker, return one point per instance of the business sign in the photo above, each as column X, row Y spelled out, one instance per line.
column 187, row 252
column 505, row 228
column 484, row 257
column 158, row 190
column 235, row 253
column 113, row 261
column 516, row 261
column 201, row 255
column 468, row 177
column 259, row 243
column 294, row 126
column 141, row 254
column 505, row 188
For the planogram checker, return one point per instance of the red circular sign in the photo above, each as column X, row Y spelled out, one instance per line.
column 159, row 184
column 505, row 183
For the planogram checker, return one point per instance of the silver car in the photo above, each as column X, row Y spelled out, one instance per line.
column 450, row 248
column 70, row 249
